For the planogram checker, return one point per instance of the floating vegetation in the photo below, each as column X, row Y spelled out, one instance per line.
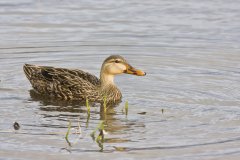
column 120, row 149
column 100, row 138
column 16, row 126
column 142, row 113
column 67, row 134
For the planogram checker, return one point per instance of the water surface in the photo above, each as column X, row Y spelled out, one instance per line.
column 189, row 49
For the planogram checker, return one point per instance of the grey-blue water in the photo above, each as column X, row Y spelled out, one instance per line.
column 190, row 50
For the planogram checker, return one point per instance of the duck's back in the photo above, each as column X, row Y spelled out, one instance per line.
column 63, row 83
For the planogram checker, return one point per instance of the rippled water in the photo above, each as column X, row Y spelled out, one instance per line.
column 189, row 49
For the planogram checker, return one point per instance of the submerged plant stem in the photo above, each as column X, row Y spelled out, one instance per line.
column 126, row 108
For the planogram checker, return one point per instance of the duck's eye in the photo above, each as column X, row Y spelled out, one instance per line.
column 117, row 61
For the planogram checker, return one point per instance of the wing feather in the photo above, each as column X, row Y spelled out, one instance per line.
column 62, row 83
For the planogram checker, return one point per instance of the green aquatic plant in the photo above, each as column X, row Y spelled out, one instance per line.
column 77, row 132
column 88, row 107
column 126, row 107
column 67, row 134
column 99, row 126
column 100, row 138
column 88, row 112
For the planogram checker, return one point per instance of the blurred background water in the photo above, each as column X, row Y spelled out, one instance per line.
column 189, row 49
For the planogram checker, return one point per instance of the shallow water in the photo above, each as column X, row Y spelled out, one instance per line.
column 189, row 49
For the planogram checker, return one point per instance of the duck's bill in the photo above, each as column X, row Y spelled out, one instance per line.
column 135, row 72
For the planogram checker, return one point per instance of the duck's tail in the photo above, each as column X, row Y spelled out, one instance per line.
column 30, row 70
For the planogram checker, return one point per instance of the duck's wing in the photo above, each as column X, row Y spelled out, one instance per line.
column 62, row 83
column 81, row 74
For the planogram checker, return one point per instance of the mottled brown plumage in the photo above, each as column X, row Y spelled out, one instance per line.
column 74, row 84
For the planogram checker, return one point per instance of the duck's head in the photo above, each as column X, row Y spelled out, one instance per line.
column 116, row 64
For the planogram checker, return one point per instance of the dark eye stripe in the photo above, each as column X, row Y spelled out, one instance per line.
column 116, row 61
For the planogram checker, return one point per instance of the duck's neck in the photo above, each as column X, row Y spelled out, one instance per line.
column 106, row 79
column 108, row 88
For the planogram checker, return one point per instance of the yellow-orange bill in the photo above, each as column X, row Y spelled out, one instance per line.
column 135, row 72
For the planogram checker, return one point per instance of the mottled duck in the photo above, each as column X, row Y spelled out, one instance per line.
column 74, row 84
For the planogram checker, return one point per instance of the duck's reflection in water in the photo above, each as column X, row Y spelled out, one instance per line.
column 114, row 122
